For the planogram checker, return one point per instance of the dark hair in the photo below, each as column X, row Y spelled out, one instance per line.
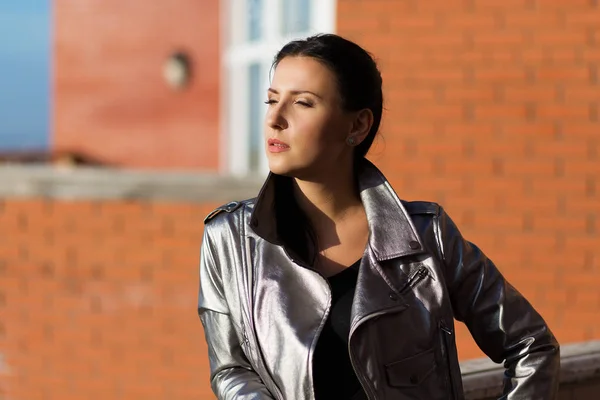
column 359, row 86
column 358, row 78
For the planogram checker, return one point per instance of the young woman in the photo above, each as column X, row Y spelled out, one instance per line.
column 327, row 285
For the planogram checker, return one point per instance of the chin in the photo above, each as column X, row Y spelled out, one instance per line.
column 280, row 169
column 285, row 167
column 280, row 166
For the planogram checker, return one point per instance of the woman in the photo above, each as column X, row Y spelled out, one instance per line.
column 327, row 285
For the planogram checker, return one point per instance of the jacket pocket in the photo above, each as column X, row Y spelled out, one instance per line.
column 411, row 371
column 447, row 340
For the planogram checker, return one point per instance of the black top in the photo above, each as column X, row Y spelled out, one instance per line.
column 334, row 377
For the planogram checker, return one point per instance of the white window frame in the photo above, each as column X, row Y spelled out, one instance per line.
column 237, row 55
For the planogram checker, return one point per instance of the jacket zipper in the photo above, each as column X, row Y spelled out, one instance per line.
column 415, row 278
column 250, row 288
column 412, row 281
column 447, row 336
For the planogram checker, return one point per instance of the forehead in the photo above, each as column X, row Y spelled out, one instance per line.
column 303, row 73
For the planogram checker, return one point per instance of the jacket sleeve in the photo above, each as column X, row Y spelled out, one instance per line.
column 231, row 374
column 502, row 322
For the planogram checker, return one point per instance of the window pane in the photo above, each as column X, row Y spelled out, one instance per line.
column 257, row 110
column 255, row 13
column 296, row 16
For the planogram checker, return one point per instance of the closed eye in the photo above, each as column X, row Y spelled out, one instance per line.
column 271, row 101
column 304, row 103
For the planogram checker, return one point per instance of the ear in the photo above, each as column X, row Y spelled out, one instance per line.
column 363, row 121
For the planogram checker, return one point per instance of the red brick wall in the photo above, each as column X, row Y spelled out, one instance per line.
column 492, row 110
column 98, row 301
column 111, row 101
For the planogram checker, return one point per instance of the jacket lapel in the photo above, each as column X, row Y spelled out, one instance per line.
column 391, row 235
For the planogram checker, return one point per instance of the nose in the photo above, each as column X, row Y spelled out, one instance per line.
column 275, row 118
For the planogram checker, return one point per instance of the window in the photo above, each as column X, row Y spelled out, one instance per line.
column 253, row 32
column 295, row 16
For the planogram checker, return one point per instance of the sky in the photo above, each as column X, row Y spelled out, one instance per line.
column 24, row 74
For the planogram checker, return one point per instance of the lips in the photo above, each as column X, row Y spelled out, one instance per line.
column 277, row 146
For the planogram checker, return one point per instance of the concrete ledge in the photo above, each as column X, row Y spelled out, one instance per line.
column 89, row 183
column 580, row 364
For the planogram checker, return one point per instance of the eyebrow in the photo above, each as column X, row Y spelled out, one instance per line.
column 295, row 92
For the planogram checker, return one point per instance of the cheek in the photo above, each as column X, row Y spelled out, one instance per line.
column 320, row 129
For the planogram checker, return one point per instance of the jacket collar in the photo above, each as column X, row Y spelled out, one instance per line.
column 391, row 231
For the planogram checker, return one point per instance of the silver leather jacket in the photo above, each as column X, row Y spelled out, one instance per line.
column 262, row 311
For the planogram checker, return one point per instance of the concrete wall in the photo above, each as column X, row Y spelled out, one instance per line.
column 579, row 378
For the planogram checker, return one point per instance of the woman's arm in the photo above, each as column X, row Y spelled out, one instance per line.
column 231, row 375
column 502, row 322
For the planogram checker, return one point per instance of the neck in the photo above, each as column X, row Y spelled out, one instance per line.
column 329, row 198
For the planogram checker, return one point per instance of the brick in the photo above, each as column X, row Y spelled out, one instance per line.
column 467, row 57
column 582, row 94
column 511, row 222
column 582, row 243
column 364, row 24
column 582, row 167
column 414, row 21
column 435, row 112
column 417, row 94
column 468, row 21
column 500, row 74
column 499, row 39
column 591, row 54
column 534, row 55
column 571, row 6
column 437, row 148
column 483, row 5
column 443, row 75
column 518, row 93
column 475, row 93
column 533, row 19
column 594, row 35
column 580, row 130
column 443, row 40
column 587, row 300
column 530, row 167
column 563, row 150
column 566, row 74
column 562, row 111
column 556, row 38
column 564, row 56
column 439, row 6
column 471, row 130
column 402, row 59
column 553, row 259
column 501, row 112
column 573, row 223
column 502, row 56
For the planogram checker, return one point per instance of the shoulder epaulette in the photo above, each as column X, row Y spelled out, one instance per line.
column 229, row 207
column 421, row 207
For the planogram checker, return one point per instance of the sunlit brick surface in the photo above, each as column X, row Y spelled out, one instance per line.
column 492, row 110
